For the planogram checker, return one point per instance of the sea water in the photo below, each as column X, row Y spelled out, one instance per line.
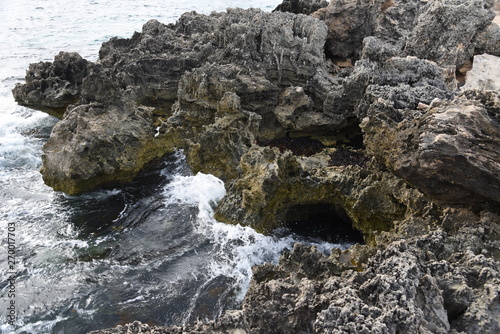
column 149, row 250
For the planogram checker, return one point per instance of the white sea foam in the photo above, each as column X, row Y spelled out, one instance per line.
column 202, row 190
column 237, row 248
column 38, row 327
column 50, row 274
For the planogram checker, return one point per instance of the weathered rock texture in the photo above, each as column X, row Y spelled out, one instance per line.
column 443, row 31
column 51, row 87
column 449, row 150
column 485, row 73
column 445, row 281
column 173, row 81
column 107, row 153
column 354, row 112
column 301, row 6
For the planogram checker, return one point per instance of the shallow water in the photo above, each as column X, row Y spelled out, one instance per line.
column 149, row 251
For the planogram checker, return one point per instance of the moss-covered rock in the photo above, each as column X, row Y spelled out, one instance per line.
column 271, row 183
column 84, row 152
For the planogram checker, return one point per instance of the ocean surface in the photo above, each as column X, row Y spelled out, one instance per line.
column 150, row 250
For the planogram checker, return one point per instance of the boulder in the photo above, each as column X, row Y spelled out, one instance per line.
column 84, row 151
column 485, row 73
column 301, row 6
column 449, row 150
column 51, row 87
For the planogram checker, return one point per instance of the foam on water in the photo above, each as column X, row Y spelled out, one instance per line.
column 201, row 190
column 91, row 261
column 237, row 248
column 34, row 328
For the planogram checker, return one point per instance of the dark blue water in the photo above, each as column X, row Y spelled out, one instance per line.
column 150, row 250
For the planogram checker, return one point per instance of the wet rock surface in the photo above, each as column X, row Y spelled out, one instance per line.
column 356, row 112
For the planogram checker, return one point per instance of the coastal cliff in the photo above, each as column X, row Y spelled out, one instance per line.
column 365, row 112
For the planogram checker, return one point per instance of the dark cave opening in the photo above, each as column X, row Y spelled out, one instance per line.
column 323, row 221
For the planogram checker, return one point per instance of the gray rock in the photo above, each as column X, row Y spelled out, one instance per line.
column 488, row 40
column 444, row 31
column 51, row 87
column 348, row 22
column 402, row 82
column 485, row 73
column 257, row 55
column 84, row 151
column 449, row 151
column 220, row 86
column 301, row 6
column 433, row 283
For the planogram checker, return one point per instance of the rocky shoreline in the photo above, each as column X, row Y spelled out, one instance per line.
column 366, row 112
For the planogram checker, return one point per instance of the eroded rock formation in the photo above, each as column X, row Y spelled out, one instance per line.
column 454, row 147
column 355, row 111
column 173, row 80
column 301, row 6
column 444, row 281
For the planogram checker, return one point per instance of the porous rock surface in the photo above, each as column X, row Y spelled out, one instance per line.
column 444, row 281
column 444, row 31
column 301, row 6
column 277, row 105
column 173, row 78
column 449, row 150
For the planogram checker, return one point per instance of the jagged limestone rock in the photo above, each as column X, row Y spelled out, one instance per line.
column 444, row 31
column 271, row 183
column 301, row 6
column 182, row 71
column 436, row 282
column 485, row 73
column 224, row 86
column 403, row 82
column 450, row 150
column 488, row 40
column 51, row 87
